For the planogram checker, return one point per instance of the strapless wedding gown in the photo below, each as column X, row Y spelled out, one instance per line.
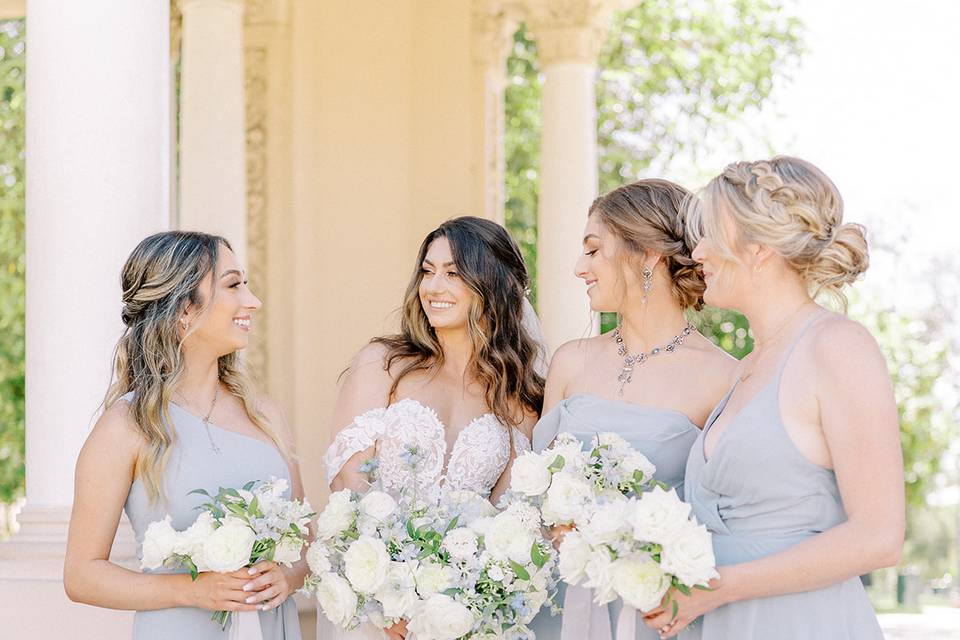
column 478, row 457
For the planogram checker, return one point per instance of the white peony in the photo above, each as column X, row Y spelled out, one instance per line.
column 658, row 516
column 509, row 539
column 398, row 594
column 337, row 516
column 190, row 542
column 481, row 526
column 460, row 543
column 599, row 576
column 318, row 559
column 606, row 524
column 432, row 577
column 566, row 499
column 574, row 553
column 529, row 474
column 378, row 505
column 228, row 548
column 689, row 556
column 639, row 581
column 288, row 551
column 159, row 543
column 636, row 461
column 440, row 617
column 337, row 599
column 365, row 564
column 568, row 447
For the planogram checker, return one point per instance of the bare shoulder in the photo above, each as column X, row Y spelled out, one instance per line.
column 570, row 358
column 369, row 366
column 116, row 431
column 840, row 345
column 276, row 416
column 710, row 359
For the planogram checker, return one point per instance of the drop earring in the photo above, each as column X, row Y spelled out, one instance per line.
column 647, row 284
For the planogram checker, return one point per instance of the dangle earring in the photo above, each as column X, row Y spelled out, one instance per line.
column 647, row 284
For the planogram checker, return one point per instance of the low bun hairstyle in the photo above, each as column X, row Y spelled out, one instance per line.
column 792, row 207
column 649, row 216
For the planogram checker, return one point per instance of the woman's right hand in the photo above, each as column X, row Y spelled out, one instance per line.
column 397, row 631
column 556, row 534
column 222, row 591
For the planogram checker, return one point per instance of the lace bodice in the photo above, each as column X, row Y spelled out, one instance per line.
column 478, row 457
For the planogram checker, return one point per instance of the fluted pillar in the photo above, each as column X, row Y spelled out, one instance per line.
column 97, row 171
column 213, row 191
column 569, row 34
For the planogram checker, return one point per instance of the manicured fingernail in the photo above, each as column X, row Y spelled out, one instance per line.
column 251, row 599
column 248, row 586
column 252, row 571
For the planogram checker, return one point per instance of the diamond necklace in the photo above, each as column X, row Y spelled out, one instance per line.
column 630, row 361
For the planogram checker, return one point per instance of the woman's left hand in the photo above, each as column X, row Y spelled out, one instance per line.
column 269, row 585
column 690, row 608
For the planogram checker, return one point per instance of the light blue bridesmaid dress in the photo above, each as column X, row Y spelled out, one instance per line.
column 662, row 435
column 759, row 495
column 193, row 464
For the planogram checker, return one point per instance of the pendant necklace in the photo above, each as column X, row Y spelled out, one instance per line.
column 633, row 360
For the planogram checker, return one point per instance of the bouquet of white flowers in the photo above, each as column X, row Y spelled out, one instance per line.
column 567, row 483
column 238, row 527
column 453, row 567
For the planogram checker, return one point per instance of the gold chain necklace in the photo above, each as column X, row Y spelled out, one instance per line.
column 746, row 375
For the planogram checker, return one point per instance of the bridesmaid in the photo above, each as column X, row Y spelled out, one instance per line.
column 798, row 473
column 653, row 380
column 180, row 416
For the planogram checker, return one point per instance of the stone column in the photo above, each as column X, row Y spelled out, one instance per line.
column 97, row 171
column 492, row 29
column 212, row 124
column 569, row 34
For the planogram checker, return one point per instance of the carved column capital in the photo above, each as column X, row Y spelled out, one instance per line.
column 569, row 30
column 492, row 25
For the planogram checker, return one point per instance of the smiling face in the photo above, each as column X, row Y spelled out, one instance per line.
column 222, row 321
column 607, row 276
column 445, row 297
column 728, row 276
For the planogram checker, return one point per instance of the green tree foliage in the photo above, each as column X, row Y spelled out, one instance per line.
column 12, row 259
column 673, row 73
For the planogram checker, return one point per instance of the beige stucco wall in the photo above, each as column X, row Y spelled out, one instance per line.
column 379, row 153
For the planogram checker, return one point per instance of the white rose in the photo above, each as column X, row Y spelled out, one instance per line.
column 508, row 538
column 287, row 551
column 228, row 548
column 378, row 505
column 570, row 449
column 365, row 564
column 566, row 499
column 606, row 524
column 190, row 542
column 599, row 576
column 529, row 474
column 574, row 553
column 616, row 445
column 636, row 461
column 432, row 577
column 440, row 617
column 639, row 581
column 658, row 515
column 689, row 556
column 398, row 594
column 159, row 542
column 337, row 599
column 318, row 559
column 336, row 516
column 460, row 543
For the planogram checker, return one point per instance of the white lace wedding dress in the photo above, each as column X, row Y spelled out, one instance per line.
column 477, row 459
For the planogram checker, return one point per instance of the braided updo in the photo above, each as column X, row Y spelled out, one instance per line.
column 648, row 216
column 792, row 207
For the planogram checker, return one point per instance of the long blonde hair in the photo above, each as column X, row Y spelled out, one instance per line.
column 159, row 279
column 791, row 206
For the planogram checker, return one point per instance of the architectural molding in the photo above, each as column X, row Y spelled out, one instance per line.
column 267, row 11
column 569, row 30
column 256, row 87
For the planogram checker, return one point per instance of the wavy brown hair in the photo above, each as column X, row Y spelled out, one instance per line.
column 162, row 276
column 490, row 264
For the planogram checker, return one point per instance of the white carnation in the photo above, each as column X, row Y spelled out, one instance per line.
column 639, row 581
column 318, row 559
column 228, row 548
column 460, row 543
column 528, row 514
column 337, row 516
column 440, row 617
column 365, row 564
column 658, row 516
column 574, row 553
column 159, row 543
column 378, row 505
column 689, row 556
column 529, row 474
column 337, row 600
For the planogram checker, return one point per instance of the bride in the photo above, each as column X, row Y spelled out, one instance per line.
column 461, row 385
